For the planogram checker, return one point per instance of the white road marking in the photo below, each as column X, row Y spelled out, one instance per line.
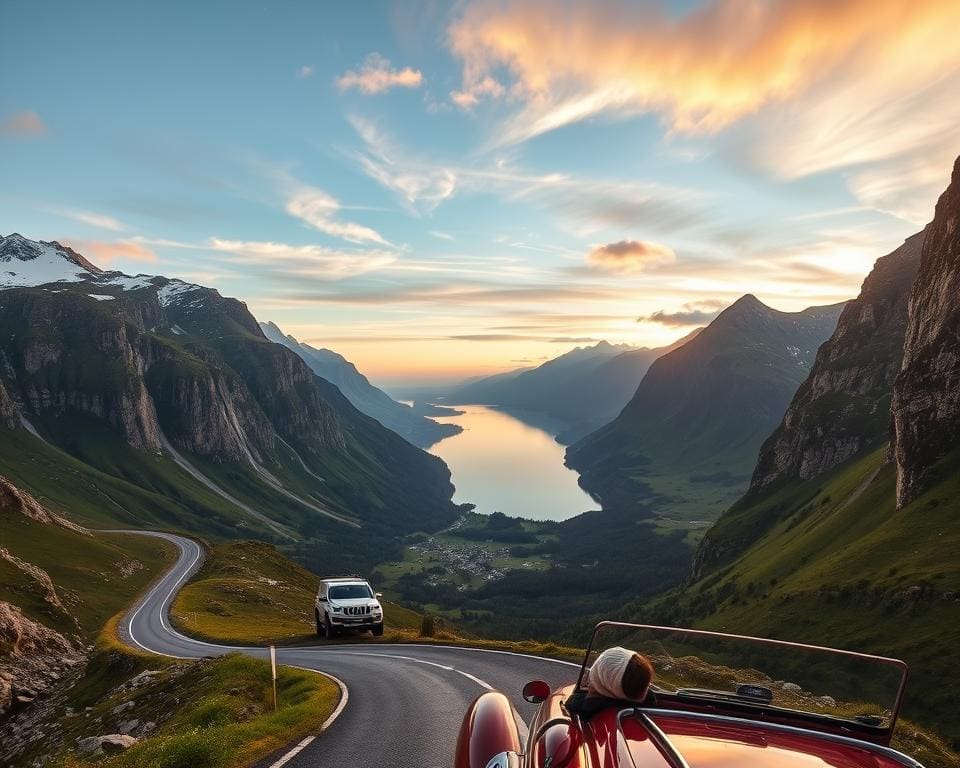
column 293, row 752
column 477, row 680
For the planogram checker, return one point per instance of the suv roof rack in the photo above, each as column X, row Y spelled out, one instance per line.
column 343, row 578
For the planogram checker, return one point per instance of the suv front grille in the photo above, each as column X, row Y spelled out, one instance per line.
column 356, row 610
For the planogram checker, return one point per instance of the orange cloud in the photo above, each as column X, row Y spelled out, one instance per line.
column 375, row 76
column 106, row 252
column 629, row 256
column 710, row 67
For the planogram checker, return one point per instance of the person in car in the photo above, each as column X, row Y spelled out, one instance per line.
column 618, row 674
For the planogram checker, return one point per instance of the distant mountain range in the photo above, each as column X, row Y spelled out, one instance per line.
column 610, row 374
column 686, row 441
column 848, row 534
column 366, row 398
column 166, row 405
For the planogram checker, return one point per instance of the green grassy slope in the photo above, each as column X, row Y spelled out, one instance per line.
column 94, row 576
column 833, row 561
column 248, row 592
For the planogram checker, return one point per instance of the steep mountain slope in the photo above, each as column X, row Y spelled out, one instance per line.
column 174, row 389
column 365, row 397
column 844, row 405
column 926, row 401
column 610, row 373
column 688, row 438
column 862, row 554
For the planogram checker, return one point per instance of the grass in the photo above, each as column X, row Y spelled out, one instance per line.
column 832, row 561
column 94, row 576
column 248, row 592
column 211, row 713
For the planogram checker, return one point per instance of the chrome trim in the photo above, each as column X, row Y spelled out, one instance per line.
column 504, row 760
column 662, row 740
column 848, row 741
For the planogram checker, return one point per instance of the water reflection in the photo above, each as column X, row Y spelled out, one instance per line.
column 503, row 465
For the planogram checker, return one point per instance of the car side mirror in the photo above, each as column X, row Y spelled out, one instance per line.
column 321, row 598
column 536, row 691
column 378, row 595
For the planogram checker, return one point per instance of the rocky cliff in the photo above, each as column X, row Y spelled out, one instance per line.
column 926, row 400
column 843, row 407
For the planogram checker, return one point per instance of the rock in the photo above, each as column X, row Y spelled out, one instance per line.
column 128, row 726
column 792, row 687
column 827, row 701
column 926, row 398
column 109, row 744
column 124, row 707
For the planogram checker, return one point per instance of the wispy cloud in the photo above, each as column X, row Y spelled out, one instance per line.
column 627, row 256
column 22, row 124
column 376, row 76
column 299, row 261
column 305, row 71
column 419, row 184
column 441, row 235
column 319, row 210
column 872, row 86
column 93, row 219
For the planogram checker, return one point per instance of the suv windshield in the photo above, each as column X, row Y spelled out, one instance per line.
column 350, row 592
column 748, row 672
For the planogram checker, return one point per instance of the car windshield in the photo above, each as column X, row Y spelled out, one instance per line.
column 350, row 592
column 746, row 672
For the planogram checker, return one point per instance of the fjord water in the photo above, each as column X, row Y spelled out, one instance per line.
column 502, row 464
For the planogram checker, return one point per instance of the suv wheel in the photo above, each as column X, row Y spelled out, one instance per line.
column 378, row 629
column 321, row 628
column 329, row 628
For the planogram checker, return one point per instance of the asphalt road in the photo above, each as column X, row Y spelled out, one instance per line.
column 405, row 702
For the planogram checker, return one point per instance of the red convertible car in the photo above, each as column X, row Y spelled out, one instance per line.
column 717, row 701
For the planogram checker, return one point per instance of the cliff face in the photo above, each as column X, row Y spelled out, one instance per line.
column 843, row 406
column 926, row 400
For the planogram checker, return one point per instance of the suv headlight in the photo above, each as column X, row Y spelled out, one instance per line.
column 336, row 608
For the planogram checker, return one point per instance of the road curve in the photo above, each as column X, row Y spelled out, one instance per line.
column 405, row 701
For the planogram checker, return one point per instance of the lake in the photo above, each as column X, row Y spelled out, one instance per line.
column 503, row 465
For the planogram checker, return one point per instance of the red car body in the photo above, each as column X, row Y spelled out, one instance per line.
column 666, row 731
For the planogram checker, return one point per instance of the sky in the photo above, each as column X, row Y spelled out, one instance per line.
column 441, row 190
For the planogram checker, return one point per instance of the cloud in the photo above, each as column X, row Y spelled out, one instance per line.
column 24, row 123
column 692, row 313
column 797, row 86
column 376, row 76
column 302, row 260
column 628, row 256
column 470, row 96
column 520, row 337
column 105, row 252
column 441, row 235
column 305, row 71
column 318, row 209
column 94, row 219
column 421, row 185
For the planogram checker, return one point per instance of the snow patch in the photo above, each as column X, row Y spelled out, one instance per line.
column 101, row 296
column 171, row 292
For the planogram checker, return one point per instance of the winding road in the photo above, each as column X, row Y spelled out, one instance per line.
column 404, row 702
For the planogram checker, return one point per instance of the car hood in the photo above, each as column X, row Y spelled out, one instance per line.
column 712, row 743
column 355, row 601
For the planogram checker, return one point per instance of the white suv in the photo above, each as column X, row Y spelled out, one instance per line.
column 347, row 603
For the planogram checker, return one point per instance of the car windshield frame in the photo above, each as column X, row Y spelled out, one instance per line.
column 332, row 595
column 668, row 699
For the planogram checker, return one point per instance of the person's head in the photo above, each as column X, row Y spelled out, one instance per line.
column 619, row 673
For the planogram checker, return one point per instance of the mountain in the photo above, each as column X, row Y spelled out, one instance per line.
column 609, row 372
column 365, row 397
column 926, row 398
column 688, row 438
column 166, row 400
column 844, row 405
column 843, row 539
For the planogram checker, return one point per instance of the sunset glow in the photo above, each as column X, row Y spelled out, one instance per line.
column 439, row 191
